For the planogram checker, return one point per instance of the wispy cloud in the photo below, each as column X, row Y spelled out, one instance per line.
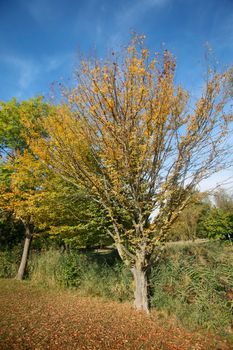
column 54, row 62
column 42, row 10
column 131, row 14
column 28, row 71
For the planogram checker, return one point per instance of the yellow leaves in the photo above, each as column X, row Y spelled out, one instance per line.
column 110, row 103
column 95, row 71
column 126, row 135
column 95, row 88
column 152, row 64
column 100, row 88
column 135, row 70
column 137, row 66
column 145, row 53
column 27, row 181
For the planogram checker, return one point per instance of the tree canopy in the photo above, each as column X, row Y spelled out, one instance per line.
column 130, row 137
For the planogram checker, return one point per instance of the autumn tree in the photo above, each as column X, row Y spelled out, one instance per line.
column 131, row 137
column 22, row 197
column 21, row 174
column 223, row 200
column 32, row 195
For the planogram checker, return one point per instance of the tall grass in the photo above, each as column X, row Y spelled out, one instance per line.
column 43, row 266
column 9, row 262
column 195, row 283
column 91, row 274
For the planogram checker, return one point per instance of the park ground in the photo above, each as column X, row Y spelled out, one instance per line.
column 33, row 318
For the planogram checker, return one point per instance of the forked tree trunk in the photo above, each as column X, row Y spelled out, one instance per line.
column 24, row 259
column 140, row 289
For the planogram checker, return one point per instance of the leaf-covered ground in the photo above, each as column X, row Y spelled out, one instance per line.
column 38, row 319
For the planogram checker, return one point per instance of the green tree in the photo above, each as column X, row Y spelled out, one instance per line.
column 72, row 216
column 12, row 129
column 218, row 224
column 218, row 221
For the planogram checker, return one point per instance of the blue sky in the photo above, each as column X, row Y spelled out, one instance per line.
column 40, row 39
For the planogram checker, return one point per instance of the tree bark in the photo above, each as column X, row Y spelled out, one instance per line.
column 24, row 259
column 141, row 288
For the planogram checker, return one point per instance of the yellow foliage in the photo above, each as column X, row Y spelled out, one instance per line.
column 128, row 137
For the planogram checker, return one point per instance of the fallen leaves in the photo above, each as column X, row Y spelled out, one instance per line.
column 38, row 319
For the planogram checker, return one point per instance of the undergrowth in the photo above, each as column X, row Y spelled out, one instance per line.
column 92, row 274
column 9, row 262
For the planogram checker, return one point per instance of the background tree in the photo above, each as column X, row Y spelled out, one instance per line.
column 12, row 130
column 128, row 135
column 187, row 226
column 18, row 166
column 223, row 201
column 32, row 195
column 11, row 230
column 72, row 216
column 22, row 195
column 217, row 223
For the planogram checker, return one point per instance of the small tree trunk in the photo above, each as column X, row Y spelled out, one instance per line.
column 24, row 259
column 141, row 289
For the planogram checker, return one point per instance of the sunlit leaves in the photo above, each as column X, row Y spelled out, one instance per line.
column 128, row 136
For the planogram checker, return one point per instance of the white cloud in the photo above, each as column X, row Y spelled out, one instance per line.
column 136, row 10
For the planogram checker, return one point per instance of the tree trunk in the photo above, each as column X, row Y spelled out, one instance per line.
column 141, row 289
column 24, row 259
